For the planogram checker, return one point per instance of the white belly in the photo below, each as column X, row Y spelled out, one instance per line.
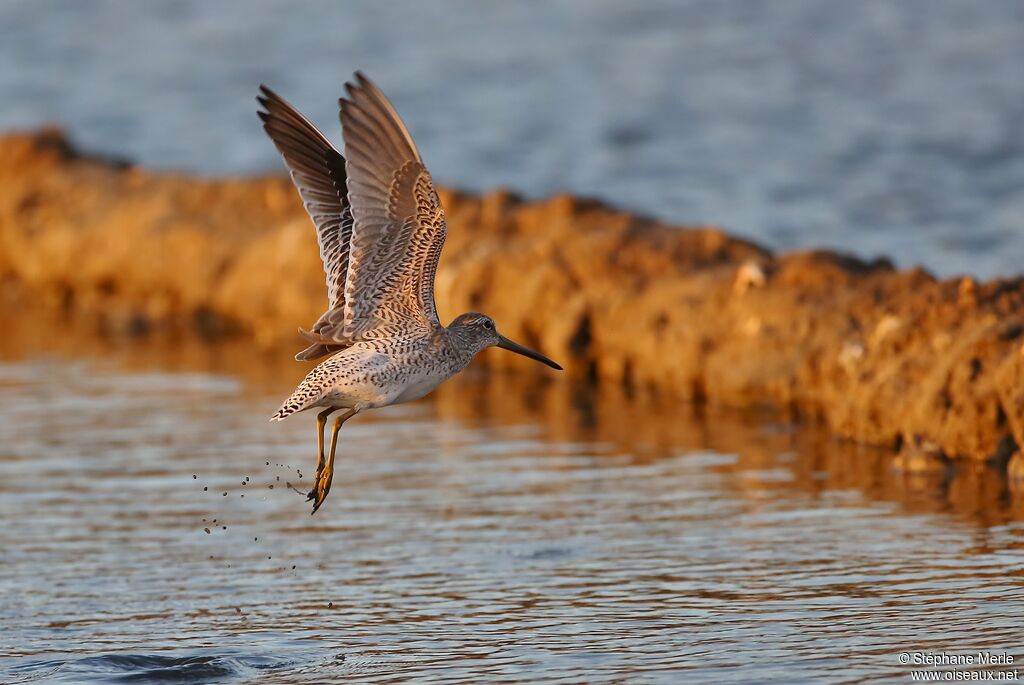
column 416, row 387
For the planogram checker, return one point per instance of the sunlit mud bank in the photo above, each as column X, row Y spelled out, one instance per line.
column 888, row 357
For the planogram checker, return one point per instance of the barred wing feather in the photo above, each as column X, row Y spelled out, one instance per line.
column 318, row 171
column 398, row 224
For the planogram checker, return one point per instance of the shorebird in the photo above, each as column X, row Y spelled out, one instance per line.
column 380, row 227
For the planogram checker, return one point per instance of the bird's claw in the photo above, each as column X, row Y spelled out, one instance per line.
column 319, row 492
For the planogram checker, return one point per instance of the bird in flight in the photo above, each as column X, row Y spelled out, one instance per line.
column 380, row 227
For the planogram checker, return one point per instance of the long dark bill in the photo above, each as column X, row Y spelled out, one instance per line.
column 506, row 344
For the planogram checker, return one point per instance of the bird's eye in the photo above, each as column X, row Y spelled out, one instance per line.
column 488, row 325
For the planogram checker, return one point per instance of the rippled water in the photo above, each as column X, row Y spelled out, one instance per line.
column 508, row 530
column 876, row 126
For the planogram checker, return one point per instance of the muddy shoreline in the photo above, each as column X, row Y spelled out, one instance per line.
column 897, row 358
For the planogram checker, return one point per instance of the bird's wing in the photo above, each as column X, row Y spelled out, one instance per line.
column 399, row 226
column 318, row 171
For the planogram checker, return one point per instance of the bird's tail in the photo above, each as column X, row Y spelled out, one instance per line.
column 304, row 397
column 284, row 412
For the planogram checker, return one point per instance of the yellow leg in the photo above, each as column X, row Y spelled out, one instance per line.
column 326, row 474
column 321, row 423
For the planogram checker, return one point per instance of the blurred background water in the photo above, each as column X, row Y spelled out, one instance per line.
column 878, row 127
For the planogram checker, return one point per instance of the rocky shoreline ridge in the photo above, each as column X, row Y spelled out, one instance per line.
column 898, row 358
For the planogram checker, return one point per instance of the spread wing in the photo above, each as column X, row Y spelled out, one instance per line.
column 318, row 171
column 399, row 226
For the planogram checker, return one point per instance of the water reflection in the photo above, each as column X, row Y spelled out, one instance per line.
column 509, row 529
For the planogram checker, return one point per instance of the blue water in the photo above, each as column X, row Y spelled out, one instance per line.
column 877, row 127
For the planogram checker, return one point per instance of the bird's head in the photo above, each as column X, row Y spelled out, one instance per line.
column 480, row 332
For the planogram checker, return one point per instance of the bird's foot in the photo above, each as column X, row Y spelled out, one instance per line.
column 321, row 487
column 311, row 495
